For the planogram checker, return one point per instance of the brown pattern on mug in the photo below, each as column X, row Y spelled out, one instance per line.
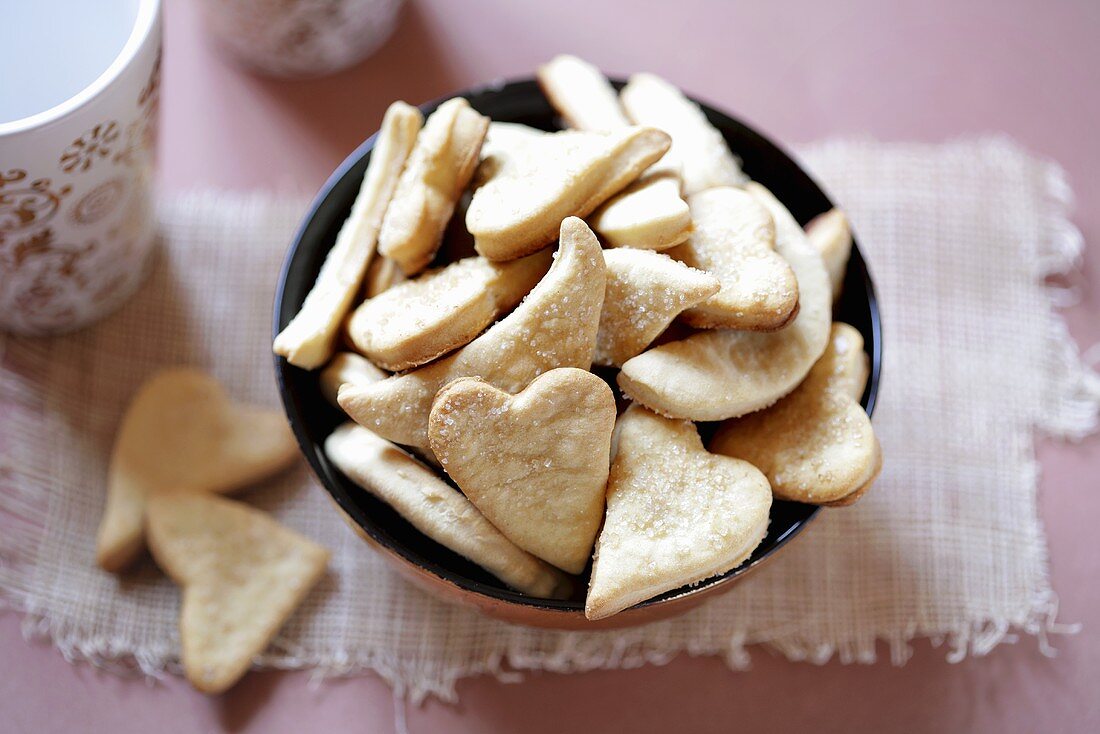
column 94, row 144
column 99, row 202
column 32, row 204
column 52, row 274
column 141, row 134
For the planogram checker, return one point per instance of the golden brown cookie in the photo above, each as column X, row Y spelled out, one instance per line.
column 676, row 514
column 534, row 463
column 530, row 188
column 309, row 339
column 440, row 166
column 645, row 292
column 649, row 214
column 831, row 235
column 242, row 575
column 816, row 445
column 438, row 311
column 438, row 510
column 734, row 240
column 698, row 150
column 182, row 432
column 555, row 326
column 581, row 94
column 347, row 367
column 715, row 375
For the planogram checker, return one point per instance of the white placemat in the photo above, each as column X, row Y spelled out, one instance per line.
column 948, row 545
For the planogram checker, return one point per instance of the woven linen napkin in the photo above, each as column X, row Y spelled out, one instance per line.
column 949, row 545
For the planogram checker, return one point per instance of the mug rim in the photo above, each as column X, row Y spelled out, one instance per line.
column 147, row 15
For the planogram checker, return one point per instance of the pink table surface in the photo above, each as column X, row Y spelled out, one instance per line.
column 913, row 70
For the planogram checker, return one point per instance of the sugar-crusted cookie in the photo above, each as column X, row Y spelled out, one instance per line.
column 438, row 510
column 529, row 189
column 816, row 445
column 242, row 575
column 347, row 367
column 555, row 326
column 440, row 166
column 676, row 514
column 698, row 149
column 715, row 375
column 645, row 292
column 438, row 311
column 581, row 94
column 534, row 463
column 182, row 432
column 734, row 240
column 831, row 235
column 308, row 340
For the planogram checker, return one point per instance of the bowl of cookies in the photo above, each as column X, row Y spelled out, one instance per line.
column 578, row 352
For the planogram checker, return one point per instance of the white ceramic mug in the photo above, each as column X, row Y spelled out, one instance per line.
column 78, row 119
column 300, row 38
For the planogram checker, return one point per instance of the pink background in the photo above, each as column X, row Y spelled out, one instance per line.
column 913, row 70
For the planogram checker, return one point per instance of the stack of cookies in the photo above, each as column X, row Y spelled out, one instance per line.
column 501, row 263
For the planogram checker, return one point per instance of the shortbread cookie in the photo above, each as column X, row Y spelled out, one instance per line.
column 242, row 575
column 382, row 274
column 441, row 164
column 698, row 149
column 437, row 312
column 734, row 240
column 182, row 432
column 308, row 340
column 645, row 292
column 555, row 326
column 503, row 139
column 534, row 463
column 649, row 214
column 831, row 235
column 715, row 375
column 438, row 510
column 816, row 445
column 347, row 367
column 581, row 94
column 676, row 515
column 530, row 188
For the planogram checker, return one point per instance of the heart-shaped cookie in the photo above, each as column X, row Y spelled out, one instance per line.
column 242, row 573
column 534, row 463
column 676, row 514
column 734, row 240
column 816, row 445
column 555, row 326
column 182, row 432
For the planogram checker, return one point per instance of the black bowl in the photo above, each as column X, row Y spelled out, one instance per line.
column 312, row 418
